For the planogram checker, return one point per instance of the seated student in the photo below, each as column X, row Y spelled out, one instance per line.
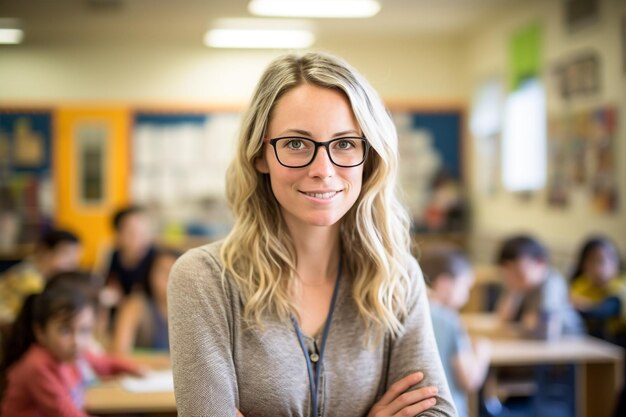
column 132, row 254
column 598, row 290
column 47, row 362
column 56, row 251
column 450, row 277
column 141, row 321
column 535, row 294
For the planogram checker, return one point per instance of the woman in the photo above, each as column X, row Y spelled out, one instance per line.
column 313, row 305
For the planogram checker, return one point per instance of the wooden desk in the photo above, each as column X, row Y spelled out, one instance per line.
column 110, row 398
column 599, row 370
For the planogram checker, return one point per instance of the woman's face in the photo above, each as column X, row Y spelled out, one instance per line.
column 601, row 265
column 66, row 338
column 321, row 193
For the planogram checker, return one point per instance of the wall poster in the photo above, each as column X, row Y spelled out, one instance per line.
column 582, row 148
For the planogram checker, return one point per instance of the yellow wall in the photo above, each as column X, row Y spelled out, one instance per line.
column 90, row 222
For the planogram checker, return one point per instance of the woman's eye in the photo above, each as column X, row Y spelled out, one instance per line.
column 344, row 144
column 295, row 144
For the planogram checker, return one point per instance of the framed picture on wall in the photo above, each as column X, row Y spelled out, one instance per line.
column 578, row 75
column 581, row 13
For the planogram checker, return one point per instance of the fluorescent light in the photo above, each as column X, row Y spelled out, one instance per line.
column 314, row 8
column 260, row 33
column 258, row 38
column 11, row 36
column 10, row 32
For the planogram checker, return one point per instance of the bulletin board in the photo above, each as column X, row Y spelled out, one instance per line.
column 445, row 127
column 178, row 156
column 178, row 168
column 25, row 141
column 25, row 174
column 429, row 142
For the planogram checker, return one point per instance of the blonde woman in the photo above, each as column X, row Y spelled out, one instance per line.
column 313, row 305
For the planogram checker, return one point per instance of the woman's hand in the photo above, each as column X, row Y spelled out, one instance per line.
column 399, row 402
column 238, row 413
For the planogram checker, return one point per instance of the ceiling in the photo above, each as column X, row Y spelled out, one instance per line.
column 187, row 20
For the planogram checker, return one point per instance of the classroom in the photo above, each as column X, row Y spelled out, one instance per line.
column 123, row 127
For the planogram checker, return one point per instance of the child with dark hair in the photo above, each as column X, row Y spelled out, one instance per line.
column 598, row 292
column 141, row 321
column 598, row 289
column 56, row 251
column 47, row 362
column 535, row 294
column 133, row 251
column 466, row 362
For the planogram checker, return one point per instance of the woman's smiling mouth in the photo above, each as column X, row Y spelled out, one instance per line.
column 321, row 195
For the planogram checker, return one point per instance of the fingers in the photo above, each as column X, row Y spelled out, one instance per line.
column 415, row 409
column 399, row 387
column 398, row 401
column 419, row 399
column 238, row 413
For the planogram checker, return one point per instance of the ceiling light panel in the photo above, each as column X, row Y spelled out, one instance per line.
column 260, row 34
column 10, row 31
column 259, row 38
column 315, row 8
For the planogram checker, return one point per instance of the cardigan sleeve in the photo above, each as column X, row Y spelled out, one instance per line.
column 200, row 319
column 416, row 349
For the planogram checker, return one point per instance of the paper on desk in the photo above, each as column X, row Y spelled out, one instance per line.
column 153, row 381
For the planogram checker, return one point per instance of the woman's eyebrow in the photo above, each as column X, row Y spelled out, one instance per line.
column 299, row 132
column 310, row 135
column 346, row 133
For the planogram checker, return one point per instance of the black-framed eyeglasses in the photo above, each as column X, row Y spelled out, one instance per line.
column 298, row 152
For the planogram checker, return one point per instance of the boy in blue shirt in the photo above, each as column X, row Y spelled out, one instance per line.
column 466, row 362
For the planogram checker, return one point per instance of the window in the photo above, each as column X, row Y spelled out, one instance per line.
column 524, row 138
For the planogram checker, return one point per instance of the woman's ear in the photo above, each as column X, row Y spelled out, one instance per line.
column 261, row 165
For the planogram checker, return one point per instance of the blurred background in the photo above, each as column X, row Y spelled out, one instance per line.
column 509, row 113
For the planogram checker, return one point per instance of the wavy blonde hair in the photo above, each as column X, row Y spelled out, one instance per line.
column 259, row 253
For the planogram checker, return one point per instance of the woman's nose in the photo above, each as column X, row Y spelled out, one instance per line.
column 322, row 166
